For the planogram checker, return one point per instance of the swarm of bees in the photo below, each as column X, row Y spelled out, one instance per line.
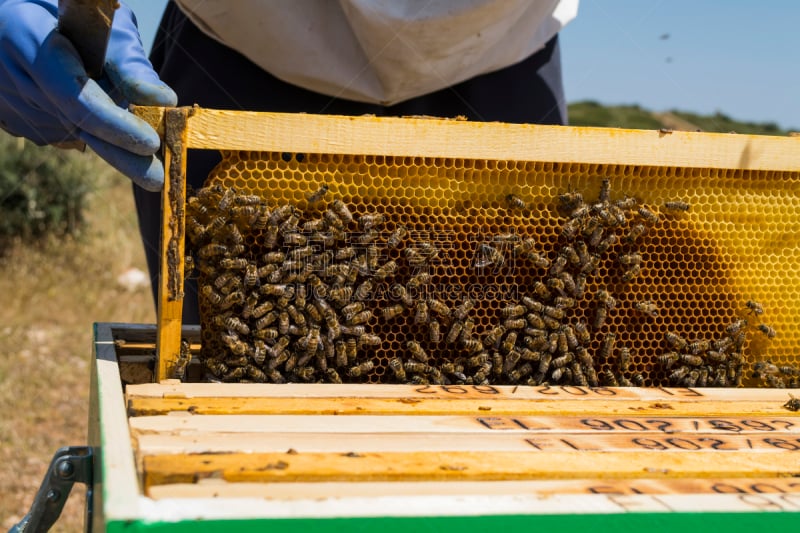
column 303, row 296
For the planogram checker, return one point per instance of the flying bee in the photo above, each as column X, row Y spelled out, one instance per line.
column 515, row 202
column 487, row 256
column 417, row 352
column 417, row 281
column 676, row 205
column 421, row 314
column 647, row 308
column 318, row 195
column 769, row 331
column 396, row 366
column 396, row 237
column 386, row 270
column 369, row 221
column 607, row 346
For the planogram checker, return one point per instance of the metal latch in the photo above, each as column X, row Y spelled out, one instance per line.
column 70, row 464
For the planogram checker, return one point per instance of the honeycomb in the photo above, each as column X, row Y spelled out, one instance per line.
column 686, row 279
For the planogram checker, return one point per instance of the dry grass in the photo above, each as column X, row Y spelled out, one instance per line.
column 51, row 295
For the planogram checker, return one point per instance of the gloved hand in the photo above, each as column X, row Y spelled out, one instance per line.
column 46, row 96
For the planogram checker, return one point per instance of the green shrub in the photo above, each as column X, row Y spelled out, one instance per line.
column 43, row 190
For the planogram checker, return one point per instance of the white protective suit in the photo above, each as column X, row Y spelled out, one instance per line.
column 381, row 51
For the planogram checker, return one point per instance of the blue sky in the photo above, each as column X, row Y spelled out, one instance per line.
column 739, row 57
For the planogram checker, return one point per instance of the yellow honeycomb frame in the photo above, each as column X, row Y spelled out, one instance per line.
column 740, row 233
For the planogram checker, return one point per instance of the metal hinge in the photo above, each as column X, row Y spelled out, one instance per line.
column 70, row 464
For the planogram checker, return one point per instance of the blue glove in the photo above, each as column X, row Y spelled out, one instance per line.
column 46, row 96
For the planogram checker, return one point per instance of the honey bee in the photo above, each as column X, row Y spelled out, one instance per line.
column 676, row 205
column 342, row 212
column 363, row 291
column 769, row 331
column 647, row 308
column 636, row 231
column 515, row 202
column 183, row 360
column 691, row 360
column 283, row 322
column 564, row 302
column 369, row 339
column 544, row 364
column 541, row 290
column 318, row 195
column 216, row 367
column 556, row 284
column 523, row 247
column 605, row 191
column 679, row 374
column 415, row 367
column 416, row 351
column 514, row 323
column 421, row 314
column 606, row 243
column 462, row 310
column 637, row 378
column 571, row 228
column 569, row 201
column 278, row 348
column 676, row 341
column 255, row 373
column 369, row 221
column 624, row 358
column 396, row 237
column 494, row 336
column 455, row 331
column 333, row 376
column 534, row 320
column 340, row 295
column 487, row 256
column 557, row 266
column 513, row 311
column 259, row 351
column 360, row 369
column 211, row 296
column 697, row 347
column 392, row 311
column 716, row 357
column 609, row 378
column 607, row 346
column 629, row 259
column 520, row 372
column 231, row 263
column 360, row 318
column 434, row 331
column 736, row 327
column 631, row 273
column 647, row 215
column 417, row 281
column 668, row 359
column 386, row 270
column 793, row 404
column 269, row 318
column 572, row 256
column 755, row 307
column 396, row 366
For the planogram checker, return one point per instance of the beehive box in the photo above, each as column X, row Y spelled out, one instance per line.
column 462, row 452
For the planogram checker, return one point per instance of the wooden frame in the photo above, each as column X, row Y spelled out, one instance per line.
column 197, row 128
